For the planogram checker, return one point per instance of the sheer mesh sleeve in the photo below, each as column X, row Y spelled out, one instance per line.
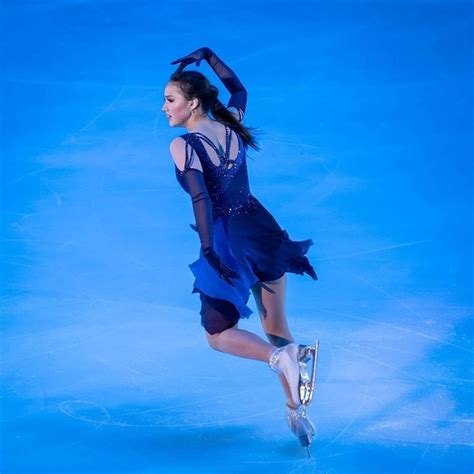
column 238, row 98
column 188, row 162
column 193, row 180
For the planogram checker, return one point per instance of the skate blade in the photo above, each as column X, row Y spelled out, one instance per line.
column 305, row 441
column 307, row 384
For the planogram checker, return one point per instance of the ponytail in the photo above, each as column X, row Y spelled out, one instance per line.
column 223, row 115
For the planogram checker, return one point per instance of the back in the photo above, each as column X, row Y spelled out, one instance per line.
column 227, row 182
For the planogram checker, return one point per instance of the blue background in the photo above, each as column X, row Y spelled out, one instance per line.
column 367, row 114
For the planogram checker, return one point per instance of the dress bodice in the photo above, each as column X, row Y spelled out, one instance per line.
column 228, row 186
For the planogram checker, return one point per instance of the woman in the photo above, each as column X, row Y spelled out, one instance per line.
column 242, row 246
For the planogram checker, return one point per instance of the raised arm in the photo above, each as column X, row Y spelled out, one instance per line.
column 238, row 97
column 238, row 93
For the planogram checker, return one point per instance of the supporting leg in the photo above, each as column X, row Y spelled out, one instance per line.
column 270, row 301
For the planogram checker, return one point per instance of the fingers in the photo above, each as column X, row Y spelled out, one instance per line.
column 231, row 283
column 184, row 61
column 180, row 68
column 222, row 270
column 182, row 65
column 228, row 272
column 180, row 60
column 233, row 274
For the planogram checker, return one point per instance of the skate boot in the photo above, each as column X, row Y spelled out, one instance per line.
column 307, row 384
column 282, row 358
column 301, row 426
column 292, row 360
column 285, row 360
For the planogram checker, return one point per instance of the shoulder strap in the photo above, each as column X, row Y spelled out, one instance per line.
column 189, row 150
column 222, row 153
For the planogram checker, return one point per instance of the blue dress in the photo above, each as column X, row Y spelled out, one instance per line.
column 247, row 238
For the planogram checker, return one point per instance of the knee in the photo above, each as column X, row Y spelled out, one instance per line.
column 215, row 339
column 212, row 339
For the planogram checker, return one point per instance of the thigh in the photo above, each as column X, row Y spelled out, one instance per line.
column 217, row 315
column 270, row 299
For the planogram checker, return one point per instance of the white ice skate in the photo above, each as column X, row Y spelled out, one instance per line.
column 307, row 384
column 291, row 360
column 301, row 426
column 285, row 360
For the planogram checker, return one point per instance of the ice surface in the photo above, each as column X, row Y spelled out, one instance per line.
column 367, row 150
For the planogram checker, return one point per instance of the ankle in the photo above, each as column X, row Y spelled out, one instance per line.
column 273, row 354
column 270, row 351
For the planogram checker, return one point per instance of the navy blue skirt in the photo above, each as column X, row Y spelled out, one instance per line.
column 255, row 246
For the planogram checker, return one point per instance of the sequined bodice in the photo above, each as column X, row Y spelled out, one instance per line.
column 227, row 183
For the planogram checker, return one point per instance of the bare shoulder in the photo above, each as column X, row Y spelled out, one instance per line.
column 178, row 153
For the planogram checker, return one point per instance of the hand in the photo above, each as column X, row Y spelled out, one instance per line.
column 224, row 271
column 194, row 57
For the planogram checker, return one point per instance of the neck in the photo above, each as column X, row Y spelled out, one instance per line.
column 198, row 123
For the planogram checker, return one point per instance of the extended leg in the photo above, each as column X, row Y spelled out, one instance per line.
column 240, row 343
column 220, row 319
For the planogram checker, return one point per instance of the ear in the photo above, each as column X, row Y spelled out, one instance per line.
column 195, row 103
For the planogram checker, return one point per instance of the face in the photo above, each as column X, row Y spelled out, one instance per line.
column 176, row 107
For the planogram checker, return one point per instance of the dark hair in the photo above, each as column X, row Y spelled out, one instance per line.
column 194, row 84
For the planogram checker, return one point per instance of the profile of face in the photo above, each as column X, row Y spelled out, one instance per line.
column 176, row 107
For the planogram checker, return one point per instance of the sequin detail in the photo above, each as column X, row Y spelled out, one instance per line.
column 245, row 208
column 228, row 187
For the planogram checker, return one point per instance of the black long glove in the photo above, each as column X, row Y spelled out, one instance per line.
column 202, row 208
column 238, row 98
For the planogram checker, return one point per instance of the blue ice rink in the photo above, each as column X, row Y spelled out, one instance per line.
column 367, row 114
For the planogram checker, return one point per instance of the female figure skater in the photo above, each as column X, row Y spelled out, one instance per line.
column 242, row 246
